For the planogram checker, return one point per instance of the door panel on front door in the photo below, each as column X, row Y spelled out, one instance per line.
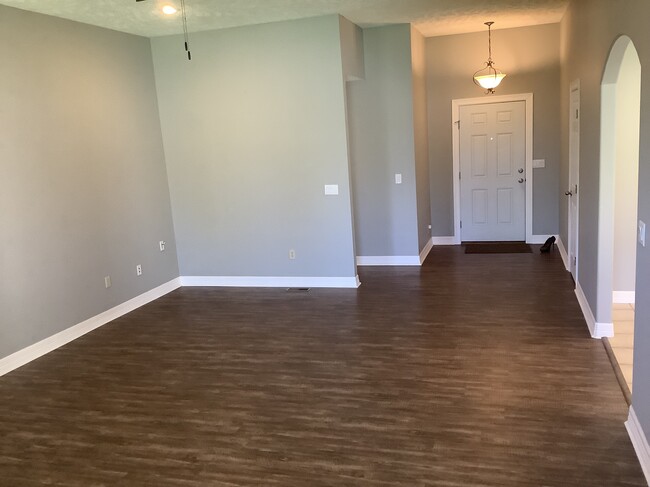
column 504, row 155
column 504, row 205
column 479, row 156
column 479, row 207
column 493, row 165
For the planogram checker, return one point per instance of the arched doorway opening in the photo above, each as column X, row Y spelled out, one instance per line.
column 618, row 198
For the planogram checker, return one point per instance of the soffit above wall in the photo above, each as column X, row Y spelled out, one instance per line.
column 431, row 17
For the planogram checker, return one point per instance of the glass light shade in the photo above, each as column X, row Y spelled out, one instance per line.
column 489, row 81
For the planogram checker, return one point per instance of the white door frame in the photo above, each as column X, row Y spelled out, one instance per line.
column 574, row 184
column 455, row 117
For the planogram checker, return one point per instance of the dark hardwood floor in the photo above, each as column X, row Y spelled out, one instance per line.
column 475, row 370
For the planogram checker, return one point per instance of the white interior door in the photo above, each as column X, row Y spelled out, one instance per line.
column 572, row 192
column 493, row 172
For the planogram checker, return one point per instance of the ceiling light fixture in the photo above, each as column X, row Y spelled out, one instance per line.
column 169, row 10
column 489, row 77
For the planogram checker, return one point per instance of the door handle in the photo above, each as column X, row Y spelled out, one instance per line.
column 520, row 171
column 520, row 180
column 568, row 193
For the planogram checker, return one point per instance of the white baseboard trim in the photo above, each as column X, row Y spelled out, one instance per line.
column 586, row 310
column 269, row 281
column 563, row 253
column 540, row 239
column 444, row 241
column 597, row 330
column 397, row 260
column 623, row 297
column 386, row 260
column 425, row 251
column 603, row 330
column 28, row 354
column 639, row 441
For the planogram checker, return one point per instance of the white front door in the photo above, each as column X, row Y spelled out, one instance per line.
column 574, row 164
column 493, row 172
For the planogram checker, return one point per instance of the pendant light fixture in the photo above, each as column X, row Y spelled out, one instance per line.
column 489, row 77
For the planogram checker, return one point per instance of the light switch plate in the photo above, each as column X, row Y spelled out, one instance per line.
column 398, row 179
column 641, row 233
column 539, row 163
column 331, row 189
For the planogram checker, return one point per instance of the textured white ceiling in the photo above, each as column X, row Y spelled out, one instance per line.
column 431, row 17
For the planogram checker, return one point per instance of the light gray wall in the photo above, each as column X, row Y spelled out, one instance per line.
column 353, row 69
column 530, row 56
column 565, row 81
column 628, row 104
column 254, row 127
column 589, row 30
column 351, row 50
column 83, row 186
column 421, row 135
column 382, row 144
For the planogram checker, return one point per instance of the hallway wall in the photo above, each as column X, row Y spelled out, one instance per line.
column 382, row 144
column 421, row 135
column 589, row 29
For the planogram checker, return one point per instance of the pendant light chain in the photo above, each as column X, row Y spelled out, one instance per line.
column 489, row 24
column 490, row 43
column 186, row 35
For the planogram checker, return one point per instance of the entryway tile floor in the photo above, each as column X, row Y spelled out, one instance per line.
column 622, row 342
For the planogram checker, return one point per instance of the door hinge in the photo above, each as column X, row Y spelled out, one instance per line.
column 459, row 176
column 576, row 191
column 575, row 261
column 457, row 122
column 461, row 224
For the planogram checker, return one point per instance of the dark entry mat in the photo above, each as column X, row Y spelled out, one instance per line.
column 498, row 248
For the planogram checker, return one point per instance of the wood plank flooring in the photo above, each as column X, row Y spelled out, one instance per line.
column 474, row 370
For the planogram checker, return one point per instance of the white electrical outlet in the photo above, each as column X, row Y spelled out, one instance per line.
column 292, row 254
column 107, row 282
column 642, row 233
column 162, row 245
column 138, row 270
